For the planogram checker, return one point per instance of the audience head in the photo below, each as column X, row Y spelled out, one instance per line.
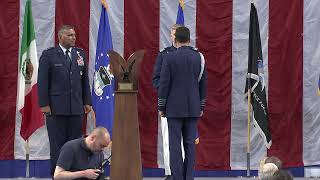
column 274, row 160
column 267, row 171
column 261, row 163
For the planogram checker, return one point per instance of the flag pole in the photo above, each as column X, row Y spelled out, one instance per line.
column 249, row 113
column 27, row 159
column 249, row 119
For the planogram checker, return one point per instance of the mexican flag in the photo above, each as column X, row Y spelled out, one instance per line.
column 27, row 95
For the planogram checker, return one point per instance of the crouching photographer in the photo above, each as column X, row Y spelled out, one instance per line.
column 83, row 158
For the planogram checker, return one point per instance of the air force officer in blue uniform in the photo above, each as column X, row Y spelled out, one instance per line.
column 64, row 92
column 181, row 98
column 163, row 53
column 162, row 125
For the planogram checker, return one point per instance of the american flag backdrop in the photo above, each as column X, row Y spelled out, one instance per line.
column 290, row 41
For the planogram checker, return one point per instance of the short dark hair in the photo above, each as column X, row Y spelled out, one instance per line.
column 64, row 28
column 182, row 34
column 282, row 175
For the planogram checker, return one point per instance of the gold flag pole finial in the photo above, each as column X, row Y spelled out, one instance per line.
column 105, row 4
column 181, row 2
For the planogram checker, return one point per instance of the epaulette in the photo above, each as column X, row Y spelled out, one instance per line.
column 165, row 49
column 168, row 49
column 77, row 48
column 49, row 48
column 195, row 49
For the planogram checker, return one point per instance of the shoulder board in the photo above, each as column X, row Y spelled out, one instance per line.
column 167, row 49
column 50, row 48
column 164, row 49
column 77, row 48
column 195, row 49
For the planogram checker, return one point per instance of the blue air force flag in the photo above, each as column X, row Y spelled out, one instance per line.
column 103, row 81
column 180, row 14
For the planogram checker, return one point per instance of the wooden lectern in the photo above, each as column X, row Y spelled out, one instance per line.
column 126, row 153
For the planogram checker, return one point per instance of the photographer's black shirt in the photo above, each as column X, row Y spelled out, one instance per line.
column 75, row 156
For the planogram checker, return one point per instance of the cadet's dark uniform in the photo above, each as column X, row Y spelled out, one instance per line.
column 157, row 66
column 162, row 126
column 64, row 86
column 182, row 96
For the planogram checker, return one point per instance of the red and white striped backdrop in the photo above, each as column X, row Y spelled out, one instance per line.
column 291, row 51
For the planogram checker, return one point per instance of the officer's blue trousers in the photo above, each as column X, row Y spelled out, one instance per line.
column 61, row 129
column 182, row 170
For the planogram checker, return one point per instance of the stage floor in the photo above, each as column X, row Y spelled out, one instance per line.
column 216, row 178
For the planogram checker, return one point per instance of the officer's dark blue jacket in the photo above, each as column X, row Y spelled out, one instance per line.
column 157, row 66
column 180, row 93
column 63, row 85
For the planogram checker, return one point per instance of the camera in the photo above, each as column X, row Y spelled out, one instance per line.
column 103, row 165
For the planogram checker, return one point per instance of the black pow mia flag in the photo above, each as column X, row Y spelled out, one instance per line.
column 255, row 80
